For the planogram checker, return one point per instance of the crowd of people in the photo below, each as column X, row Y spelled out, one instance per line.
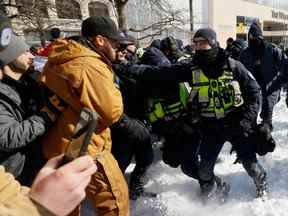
column 191, row 99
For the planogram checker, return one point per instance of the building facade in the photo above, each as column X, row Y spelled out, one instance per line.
column 229, row 18
column 233, row 18
column 67, row 15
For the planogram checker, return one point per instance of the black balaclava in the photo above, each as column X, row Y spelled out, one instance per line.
column 237, row 47
column 256, row 42
column 210, row 61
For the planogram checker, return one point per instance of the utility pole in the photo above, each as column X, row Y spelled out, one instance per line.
column 191, row 15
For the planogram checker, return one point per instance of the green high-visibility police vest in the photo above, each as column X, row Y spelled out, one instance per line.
column 161, row 108
column 216, row 97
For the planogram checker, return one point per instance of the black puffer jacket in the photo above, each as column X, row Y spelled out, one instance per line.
column 18, row 126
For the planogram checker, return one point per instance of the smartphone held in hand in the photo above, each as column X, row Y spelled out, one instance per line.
column 82, row 135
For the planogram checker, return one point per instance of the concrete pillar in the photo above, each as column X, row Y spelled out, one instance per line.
column 84, row 8
column 11, row 10
column 52, row 11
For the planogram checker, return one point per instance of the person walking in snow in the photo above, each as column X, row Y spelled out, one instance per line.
column 264, row 60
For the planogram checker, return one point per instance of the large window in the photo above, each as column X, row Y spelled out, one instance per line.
column 98, row 9
column 68, row 9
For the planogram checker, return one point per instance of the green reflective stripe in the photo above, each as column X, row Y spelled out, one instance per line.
column 152, row 117
column 220, row 114
column 159, row 110
column 203, row 99
column 197, row 76
column 178, row 104
column 162, row 110
column 184, row 91
column 168, row 109
column 203, row 94
column 208, row 115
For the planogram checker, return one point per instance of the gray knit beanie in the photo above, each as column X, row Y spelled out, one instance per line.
column 15, row 48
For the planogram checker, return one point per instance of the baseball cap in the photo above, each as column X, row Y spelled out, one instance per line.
column 101, row 25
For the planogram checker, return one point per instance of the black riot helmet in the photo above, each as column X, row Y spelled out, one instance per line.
column 5, row 30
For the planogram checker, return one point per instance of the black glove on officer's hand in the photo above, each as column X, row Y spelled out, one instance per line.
column 286, row 99
column 246, row 127
column 119, row 68
column 122, row 70
column 263, row 139
column 132, row 128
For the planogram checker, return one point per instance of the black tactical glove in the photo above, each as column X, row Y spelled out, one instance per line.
column 246, row 127
column 132, row 128
column 263, row 139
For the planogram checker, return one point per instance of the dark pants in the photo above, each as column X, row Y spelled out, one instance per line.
column 131, row 138
column 268, row 103
column 181, row 146
column 34, row 161
column 214, row 134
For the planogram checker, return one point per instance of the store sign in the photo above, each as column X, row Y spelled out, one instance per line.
column 279, row 15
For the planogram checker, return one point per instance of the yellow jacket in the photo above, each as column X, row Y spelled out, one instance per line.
column 14, row 199
column 82, row 78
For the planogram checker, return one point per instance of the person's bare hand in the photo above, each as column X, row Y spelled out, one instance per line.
column 61, row 189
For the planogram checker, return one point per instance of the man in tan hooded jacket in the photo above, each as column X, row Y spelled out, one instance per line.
column 79, row 74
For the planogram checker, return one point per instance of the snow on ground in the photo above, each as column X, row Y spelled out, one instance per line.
column 178, row 194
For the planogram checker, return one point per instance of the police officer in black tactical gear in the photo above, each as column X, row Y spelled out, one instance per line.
column 225, row 102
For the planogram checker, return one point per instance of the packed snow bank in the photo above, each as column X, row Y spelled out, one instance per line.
column 178, row 194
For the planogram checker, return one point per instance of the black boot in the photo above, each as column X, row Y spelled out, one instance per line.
column 223, row 189
column 259, row 176
column 261, row 186
column 137, row 182
column 215, row 190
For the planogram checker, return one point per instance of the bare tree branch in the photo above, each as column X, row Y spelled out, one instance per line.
column 34, row 14
column 153, row 35
column 157, row 25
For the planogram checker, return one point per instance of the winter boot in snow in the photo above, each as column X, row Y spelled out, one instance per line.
column 259, row 176
column 261, row 186
column 137, row 182
column 217, row 190
column 223, row 189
